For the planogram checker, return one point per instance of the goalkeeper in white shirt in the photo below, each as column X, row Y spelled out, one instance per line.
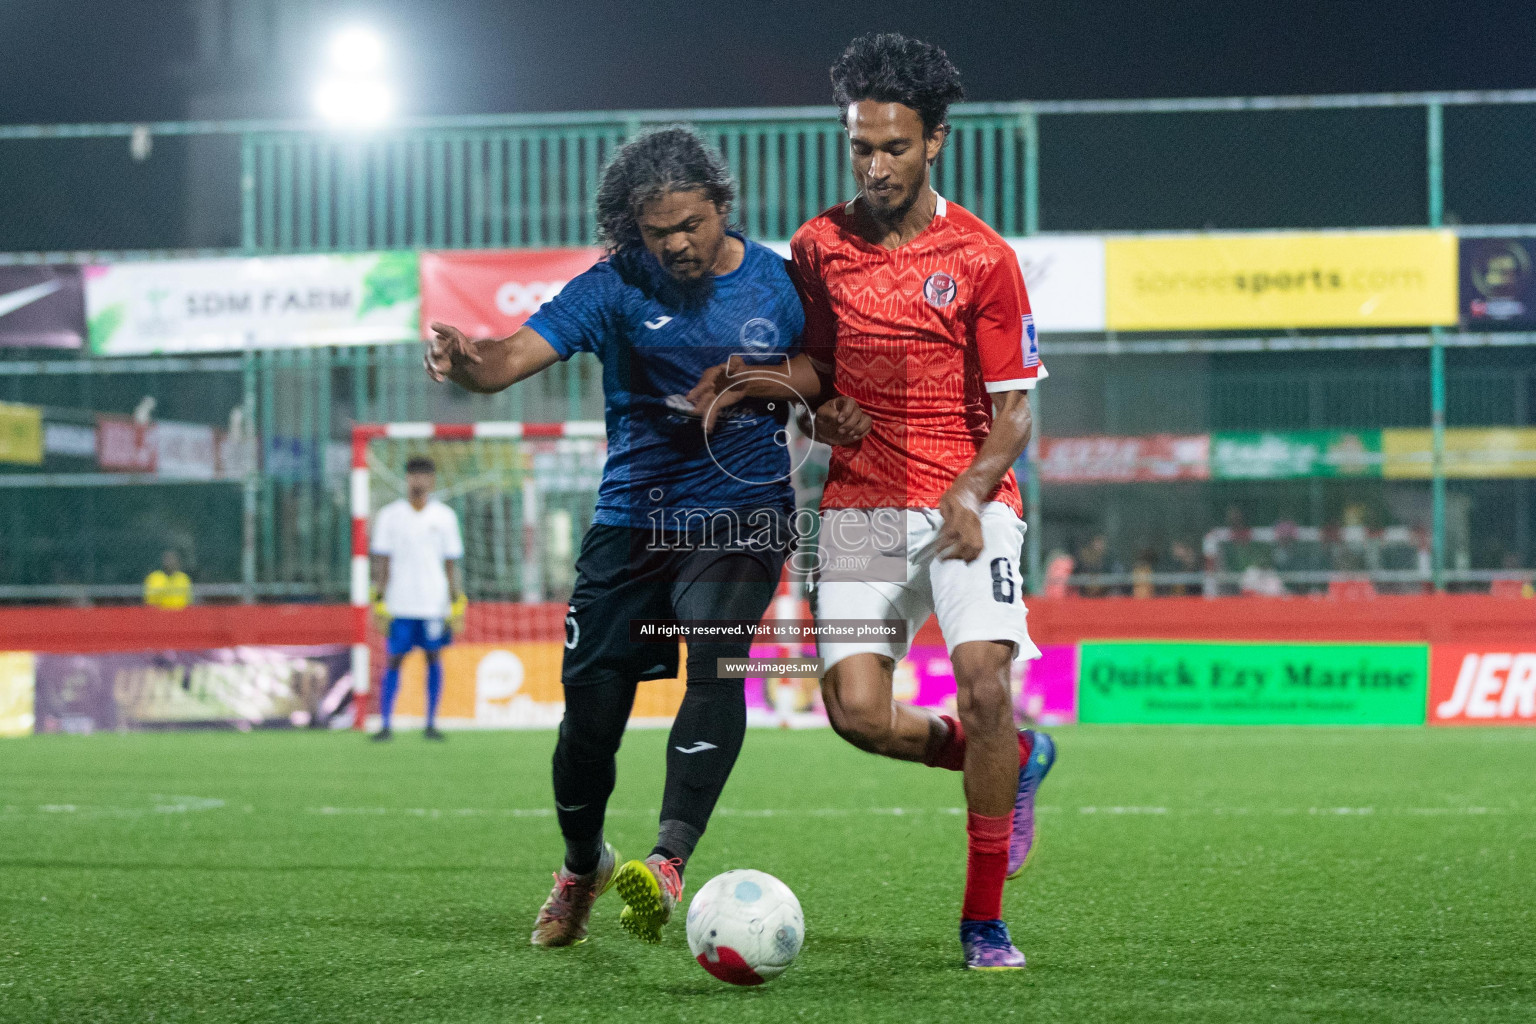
column 419, row 593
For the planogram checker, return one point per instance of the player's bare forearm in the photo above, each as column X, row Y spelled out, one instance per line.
column 455, row 579
column 487, row 365
column 380, row 573
column 722, row 386
column 961, row 535
column 1012, row 424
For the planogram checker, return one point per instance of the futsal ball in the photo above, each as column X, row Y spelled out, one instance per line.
column 745, row 927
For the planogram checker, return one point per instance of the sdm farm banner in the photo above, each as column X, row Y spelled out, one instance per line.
column 267, row 302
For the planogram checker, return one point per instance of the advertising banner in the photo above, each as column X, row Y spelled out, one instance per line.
column 1047, row 691
column 1482, row 685
column 512, row 686
column 1150, row 682
column 488, row 294
column 1498, row 283
column 1470, row 452
column 1160, row 457
column 267, row 302
column 1064, row 276
column 239, row 686
column 17, row 683
column 1290, row 455
column 187, row 451
column 124, row 445
column 41, row 307
column 1233, row 282
column 74, row 440
column 21, row 434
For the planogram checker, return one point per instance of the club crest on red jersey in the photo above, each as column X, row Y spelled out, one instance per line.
column 939, row 289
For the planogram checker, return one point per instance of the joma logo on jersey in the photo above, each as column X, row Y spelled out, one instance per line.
column 939, row 289
column 1489, row 686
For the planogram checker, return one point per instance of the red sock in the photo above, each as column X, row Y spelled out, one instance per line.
column 986, row 866
column 951, row 753
column 1024, row 748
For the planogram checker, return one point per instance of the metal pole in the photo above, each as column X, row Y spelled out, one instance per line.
column 248, row 381
column 1029, row 123
column 1435, row 123
column 247, row 194
column 1036, row 518
column 247, row 446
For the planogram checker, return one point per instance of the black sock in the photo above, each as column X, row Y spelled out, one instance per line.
column 584, row 769
column 701, row 750
column 583, row 855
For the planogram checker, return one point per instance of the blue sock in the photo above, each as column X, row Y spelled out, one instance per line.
column 387, row 690
column 434, row 690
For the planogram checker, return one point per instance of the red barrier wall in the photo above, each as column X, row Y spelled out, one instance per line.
column 1445, row 619
column 1442, row 618
column 139, row 628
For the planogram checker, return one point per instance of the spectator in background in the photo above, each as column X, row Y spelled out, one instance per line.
column 1094, row 559
column 168, row 587
column 1058, row 573
column 1183, row 559
column 1141, row 574
column 1261, row 580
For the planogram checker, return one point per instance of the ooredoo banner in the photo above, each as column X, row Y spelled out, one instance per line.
column 265, row 302
column 1482, row 685
column 1174, row 683
column 488, row 294
column 1229, row 282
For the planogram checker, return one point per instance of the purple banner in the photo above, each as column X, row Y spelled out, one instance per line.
column 1045, row 689
column 243, row 687
column 42, row 307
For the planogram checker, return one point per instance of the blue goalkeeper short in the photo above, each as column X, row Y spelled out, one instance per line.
column 406, row 634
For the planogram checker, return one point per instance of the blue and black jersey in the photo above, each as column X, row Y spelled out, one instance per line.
column 654, row 345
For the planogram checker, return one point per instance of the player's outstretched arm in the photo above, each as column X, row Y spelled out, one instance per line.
column 722, row 386
column 487, row 365
column 1012, row 423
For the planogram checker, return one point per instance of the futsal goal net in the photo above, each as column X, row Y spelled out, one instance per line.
column 524, row 494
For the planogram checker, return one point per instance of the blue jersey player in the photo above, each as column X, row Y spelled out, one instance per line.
column 687, row 527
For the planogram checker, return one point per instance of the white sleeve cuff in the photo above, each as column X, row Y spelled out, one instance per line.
column 1017, row 384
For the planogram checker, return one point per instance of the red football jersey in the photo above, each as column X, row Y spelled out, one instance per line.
column 919, row 336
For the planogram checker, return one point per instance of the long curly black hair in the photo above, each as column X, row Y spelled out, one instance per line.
column 671, row 159
column 890, row 68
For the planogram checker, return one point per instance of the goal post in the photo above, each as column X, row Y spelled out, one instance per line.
column 524, row 493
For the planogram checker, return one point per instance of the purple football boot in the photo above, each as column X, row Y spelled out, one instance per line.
column 1042, row 754
column 988, row 947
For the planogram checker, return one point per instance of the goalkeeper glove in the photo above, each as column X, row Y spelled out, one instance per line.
column 457, row 611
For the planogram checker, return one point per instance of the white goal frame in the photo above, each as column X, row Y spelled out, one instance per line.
column 361, row 581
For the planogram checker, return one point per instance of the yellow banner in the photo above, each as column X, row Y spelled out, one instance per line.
column 18, row 683
column 1227, row 282
column 513, row 685
column 21, row 434
column 1470, row 453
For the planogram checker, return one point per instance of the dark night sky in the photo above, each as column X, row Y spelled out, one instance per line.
column 66, row 60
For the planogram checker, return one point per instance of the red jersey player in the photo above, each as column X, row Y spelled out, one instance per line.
column 919, row 312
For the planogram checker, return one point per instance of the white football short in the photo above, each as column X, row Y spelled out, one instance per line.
column 867, row 570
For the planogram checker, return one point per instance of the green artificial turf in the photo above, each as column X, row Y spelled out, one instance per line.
column 1209, row 874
